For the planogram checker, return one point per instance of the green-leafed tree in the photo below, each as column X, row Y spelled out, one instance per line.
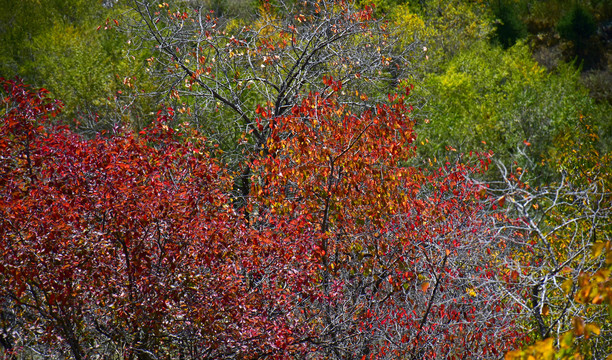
column 70, row 47
column 23, row 21
column 446, row 27
column 508, row 28
column 488, row 98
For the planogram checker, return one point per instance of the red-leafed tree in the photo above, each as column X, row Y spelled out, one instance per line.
column 128, row 246
column 407, row 259
column 219, row 69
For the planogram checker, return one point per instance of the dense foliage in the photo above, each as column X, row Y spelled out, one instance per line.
column 229, row 179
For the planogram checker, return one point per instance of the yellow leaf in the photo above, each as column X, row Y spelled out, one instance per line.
column 567, row 285
column 515, row 354
column 597, row 249
column 545, row 347
column 592, row 328
column 567, row 340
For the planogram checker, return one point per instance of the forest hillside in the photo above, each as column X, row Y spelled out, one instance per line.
column 316, row 179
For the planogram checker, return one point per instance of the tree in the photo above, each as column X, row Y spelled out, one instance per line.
column 55, row 44
column 407, row 262
column 579, row 27
column 568, row 246
column 504, row 98
column 449, row 27
column 128, row 246
column 212, row 65
column 509, row 27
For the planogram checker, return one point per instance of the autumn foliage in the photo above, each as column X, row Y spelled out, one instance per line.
column 233, row 179
column 130, row 244
column 405, row 253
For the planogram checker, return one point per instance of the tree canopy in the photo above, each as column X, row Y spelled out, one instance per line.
column 320, row 179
